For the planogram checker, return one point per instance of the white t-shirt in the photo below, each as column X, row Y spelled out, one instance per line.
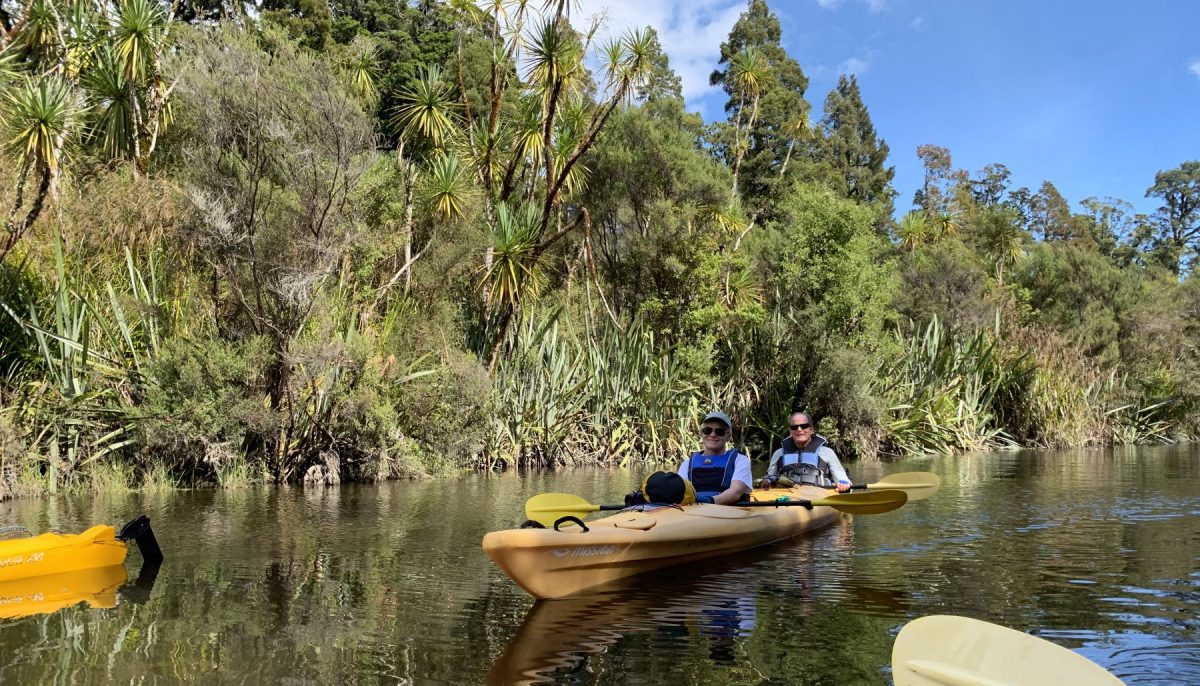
column 741, row 470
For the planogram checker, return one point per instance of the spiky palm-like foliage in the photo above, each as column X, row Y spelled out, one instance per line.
column 426, row 108
column 946, row 224
column 555, row 60
column 112, row 124
column 38, row 115
column 40, row 35
column 513, row 275
column 749, row 71
column 446, row 187
column 364, row 72
column 137, row 35
column 913, row 230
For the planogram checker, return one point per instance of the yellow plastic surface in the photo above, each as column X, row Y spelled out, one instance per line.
column 556, row 564
column 58, row 553
column 45, row 594
column 943, row 650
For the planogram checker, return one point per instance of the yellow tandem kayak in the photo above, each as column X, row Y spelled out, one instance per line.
column 551, row 563
column 53, row 553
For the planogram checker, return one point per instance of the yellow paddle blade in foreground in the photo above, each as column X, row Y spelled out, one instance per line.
column 918, row 485
column 943, row 650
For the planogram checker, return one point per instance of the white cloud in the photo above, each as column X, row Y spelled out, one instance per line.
column 1194, row 67
column 918, row 23
column 853, row 65
column 874, row 6
column 691, row 32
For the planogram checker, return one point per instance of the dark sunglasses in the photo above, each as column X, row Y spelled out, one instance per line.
column 805, row 425
column 717, row 430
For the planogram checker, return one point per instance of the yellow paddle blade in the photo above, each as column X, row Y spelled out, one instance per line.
column 918, row 485
column 871, row 502
column 547, row 508
column 942, row 650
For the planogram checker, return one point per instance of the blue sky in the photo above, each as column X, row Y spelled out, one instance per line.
column 1095, row 97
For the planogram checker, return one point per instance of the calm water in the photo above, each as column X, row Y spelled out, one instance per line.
column 1096, row 551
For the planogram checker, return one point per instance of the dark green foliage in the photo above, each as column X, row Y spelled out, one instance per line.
column 308, row 22
column 662, row 83
column 1079, row 293
column 1176, row 237
column 207, row 395
column 824, row 257
column 322, row 278
column 408, row 37
column 852, row 149
column 656, row 241
column 947, row 281
column 989, row 188
column 780, row 105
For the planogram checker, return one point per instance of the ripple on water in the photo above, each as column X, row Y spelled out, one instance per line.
column 1141, row 659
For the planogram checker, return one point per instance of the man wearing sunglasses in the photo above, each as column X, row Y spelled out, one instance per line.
column 805, row 458
column 719, row 474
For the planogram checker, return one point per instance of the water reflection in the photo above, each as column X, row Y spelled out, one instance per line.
column 717, row 618
column 97, row 587
column 1096, row 551
column 558, row 637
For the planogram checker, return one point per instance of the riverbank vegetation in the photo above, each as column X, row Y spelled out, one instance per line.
column 327, row 242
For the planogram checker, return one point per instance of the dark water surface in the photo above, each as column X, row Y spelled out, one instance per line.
column 1098, row 551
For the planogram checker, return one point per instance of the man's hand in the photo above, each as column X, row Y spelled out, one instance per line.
column 843, row 486
column 765, row 483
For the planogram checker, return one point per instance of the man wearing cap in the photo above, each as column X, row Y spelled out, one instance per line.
column 720, row 475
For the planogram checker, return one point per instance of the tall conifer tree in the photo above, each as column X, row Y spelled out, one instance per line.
column 779, row 102
column 852, row 148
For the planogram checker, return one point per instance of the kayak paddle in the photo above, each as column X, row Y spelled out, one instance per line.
column 943, row 650
column 918, row 485
column 548, row 508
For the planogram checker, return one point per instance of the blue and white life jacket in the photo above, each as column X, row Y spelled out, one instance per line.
column 712, row 474
column 805, row 466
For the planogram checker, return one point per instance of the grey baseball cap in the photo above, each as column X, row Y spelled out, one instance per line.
column 719, row 416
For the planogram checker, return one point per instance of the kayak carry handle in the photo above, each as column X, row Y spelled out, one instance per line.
column 570, row 519
column 139, row 531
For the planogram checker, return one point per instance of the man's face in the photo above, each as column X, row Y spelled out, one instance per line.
column 801, row 428
column 714, row 435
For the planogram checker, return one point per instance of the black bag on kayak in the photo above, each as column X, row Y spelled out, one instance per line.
column 668, row 488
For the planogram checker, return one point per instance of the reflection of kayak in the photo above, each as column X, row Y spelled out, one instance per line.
column 96, row 586
column 714, row 606
column 558, row 635
column 554, row 564
column 99, row 546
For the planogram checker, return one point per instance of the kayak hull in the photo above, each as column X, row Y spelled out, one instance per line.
column 555, row 564
column 60, row 553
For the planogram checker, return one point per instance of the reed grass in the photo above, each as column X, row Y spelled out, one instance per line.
column 157, row 478
column 77, row 364
column 947, row 392
column 607, row 396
